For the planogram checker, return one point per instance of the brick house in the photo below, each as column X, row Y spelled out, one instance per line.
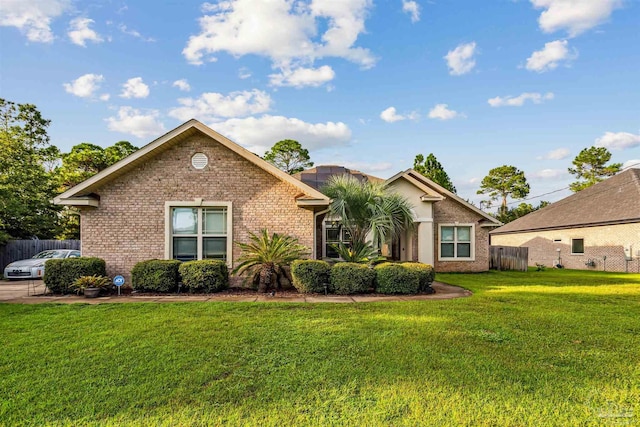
column 597, row 228
column 192, row 192
column 450, row 234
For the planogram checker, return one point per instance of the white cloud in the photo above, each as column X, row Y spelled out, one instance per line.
column 574, row 16
column 618, row 140
column 33, row 17
column 518, row 101
column 557, row 154
column 84, row 86
column 258, row 134
column 182, row 84
column 244, row 73
column 301, row 77
column 412, row 8
column 460, row 60
column 133, row 33
column 550, row 56
column 305, row 31
column 633, row 164
column 441, row 112
column 389, row 115
column 105, row 97
column 79, row 32
column 212, row 106
column 135, row 88
column 549, row 174
column 135, row 122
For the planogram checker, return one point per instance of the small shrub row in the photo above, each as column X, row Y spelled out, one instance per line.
column 311, row 276
column 60, row 274
column 157, row 275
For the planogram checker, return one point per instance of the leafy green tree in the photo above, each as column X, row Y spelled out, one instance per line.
column 590, row 167
column 264, row 257
column 519, row 211
column 289, row 156
column 82, row 162
column 26, row 183
column 367, row 207
column 503, row 182
column 432, row 169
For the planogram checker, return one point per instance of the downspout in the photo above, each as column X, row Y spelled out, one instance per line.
column 315, row 237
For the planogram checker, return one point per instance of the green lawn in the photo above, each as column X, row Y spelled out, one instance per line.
column 538, row 348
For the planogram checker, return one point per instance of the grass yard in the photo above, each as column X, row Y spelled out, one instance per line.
column 528, row 349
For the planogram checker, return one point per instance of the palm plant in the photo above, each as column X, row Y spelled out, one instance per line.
column 368, row 207
column 357, row 252
column 264, row 257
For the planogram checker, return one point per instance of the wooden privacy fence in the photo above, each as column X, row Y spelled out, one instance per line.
column 15, row 250
column 508, row 258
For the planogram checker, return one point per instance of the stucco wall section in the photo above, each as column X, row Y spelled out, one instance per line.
column 610, row 241
column 129, row 225
column 449, row 211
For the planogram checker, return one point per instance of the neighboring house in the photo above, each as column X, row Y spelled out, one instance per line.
column 450, row 234
column 597, row 228
column 192, row 193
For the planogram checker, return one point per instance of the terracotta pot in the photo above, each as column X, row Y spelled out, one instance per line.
column 91, row 292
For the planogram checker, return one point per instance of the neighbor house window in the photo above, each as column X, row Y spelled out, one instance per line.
column 197, row 233
column 457, row 242
column 334, row 234
column 577, row 246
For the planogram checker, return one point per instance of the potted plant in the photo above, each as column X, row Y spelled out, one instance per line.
column 90, row 286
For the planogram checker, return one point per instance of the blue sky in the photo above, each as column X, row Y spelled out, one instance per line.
column 361, row 83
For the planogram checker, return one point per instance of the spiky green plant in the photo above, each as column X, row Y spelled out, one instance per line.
column 357, row 252
column 84, row 282
column 368, row 207
column 265, row 256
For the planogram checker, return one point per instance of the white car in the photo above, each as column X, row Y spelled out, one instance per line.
column 33, row 268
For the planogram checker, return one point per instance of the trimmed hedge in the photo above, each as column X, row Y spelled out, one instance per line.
column 310, row 275
column 425, row 271
column 204, row 276
column 351, row 278
column 59, row 274
column 396, row 279
column 156, row 275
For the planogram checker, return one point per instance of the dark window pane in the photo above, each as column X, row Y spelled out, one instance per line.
column 331, row 253
column 464, row 250
column 214, row 248
column 185, row 248
column 577, row 246
column 333, row 234
column 446, row 250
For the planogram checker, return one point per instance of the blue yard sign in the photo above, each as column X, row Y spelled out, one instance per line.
column 118, row 280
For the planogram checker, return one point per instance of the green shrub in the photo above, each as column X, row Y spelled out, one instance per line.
column 310, row 275
column 155, row 275
column 59, row 274
column 351, row 278
column 425, row 271
column 394, row 278
column 204, row 276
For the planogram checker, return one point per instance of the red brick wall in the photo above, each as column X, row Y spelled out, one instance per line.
column 129, row 225
column 449, row 211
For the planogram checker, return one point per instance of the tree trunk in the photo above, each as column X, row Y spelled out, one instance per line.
column 266, row 277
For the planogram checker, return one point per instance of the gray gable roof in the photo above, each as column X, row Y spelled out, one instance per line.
column 613, row 201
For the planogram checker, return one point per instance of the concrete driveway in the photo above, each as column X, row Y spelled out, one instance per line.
column 10, row 290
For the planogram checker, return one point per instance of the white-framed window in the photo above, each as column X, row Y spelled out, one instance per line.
column 457, row 242
column 334, row 233
column 577, row 246
column 196, row 231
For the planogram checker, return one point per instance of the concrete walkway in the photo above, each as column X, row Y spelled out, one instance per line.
column 32, row 292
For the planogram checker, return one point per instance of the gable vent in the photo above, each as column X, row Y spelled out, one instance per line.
column 199, row 161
